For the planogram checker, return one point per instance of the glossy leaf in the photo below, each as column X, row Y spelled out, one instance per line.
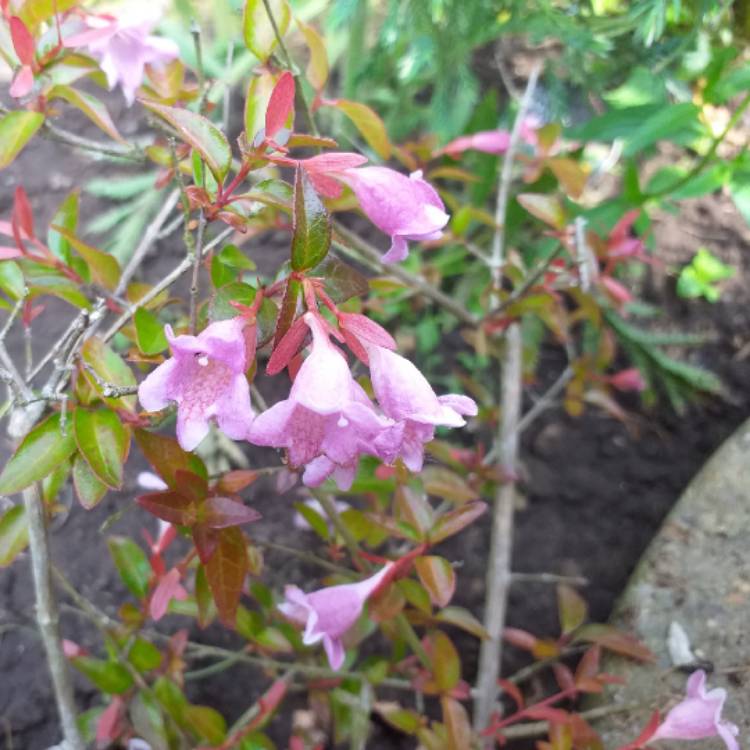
column 16, row 130
column 223, row 512
column 201, row 134
column 453, row 522
column 256, row 99
column 39, row 453
column 89, row 488
column 288, row 309
column 90, row 106
column 438, row 577
column 103, row 441
column 572, row 609
column 369, row 124
column 226, row 571
column 171, row 506
column 111, row 368
column 545, row 207
column 259, row 34
column 66, row 216
column 131, row 563
column 312, row 225
column 280, row 104
column 149, row 332
column 317, row 69
column 446, row 665
column 14, row 534
column 108, row 676
column 167, row 458
column 342, row 282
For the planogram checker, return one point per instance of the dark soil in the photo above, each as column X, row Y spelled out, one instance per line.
column 595, row 492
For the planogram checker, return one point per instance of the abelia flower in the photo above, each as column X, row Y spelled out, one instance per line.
column 328, row 613
column 123, row 47
column 628, row 380
column 698, row 716
column 406, row 397
column 406, row 208
column 206, row 378
column 491, row 141
column 327, row 422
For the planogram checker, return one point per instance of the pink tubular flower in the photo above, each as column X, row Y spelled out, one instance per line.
column 698, row 716
column 328, row 613
column 327, row 422
column 628, row 380
column 206, row 378
column 406, row 397
column 406, row 208
column 490, row 141
column 123, row 48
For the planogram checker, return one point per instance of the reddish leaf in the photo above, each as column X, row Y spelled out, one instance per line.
column 205, row 541
column 23, row 42
column 334, row 162
column 168, row 588
column 438, row 577
column 547, row 713
column 191, row 486
column 166, row 456
column 111, row 725
column 287, row 347
column 223, row 512
column 453, row 522
column 364, row 328
column 22, row 83
column 170, row 506
column 6, row 252
column 564, row 676
column 23, row 215
column 236, row 481
column 513, row 691
column 226, row 571
column 613, row 640
column 280, row 104
column 648, row 732
column 288, row 309
column 520, row 638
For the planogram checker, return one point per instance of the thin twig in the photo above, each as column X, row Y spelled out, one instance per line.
column 197, row 257
column 149, row 237
column 54, row 133
column 511, row 389
column 110, row 390
column 47, row 616
column 165, row 283
column 302, row 555
column 551, row 578
column 547, row 400
column 348, row 239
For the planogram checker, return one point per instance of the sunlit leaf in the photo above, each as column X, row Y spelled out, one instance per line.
column 369, row 124
column 258, row 31
column 16, row 129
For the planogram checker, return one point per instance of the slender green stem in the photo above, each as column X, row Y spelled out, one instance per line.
column 708, row 156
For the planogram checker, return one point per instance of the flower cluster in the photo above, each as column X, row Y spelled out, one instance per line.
column 328, row 421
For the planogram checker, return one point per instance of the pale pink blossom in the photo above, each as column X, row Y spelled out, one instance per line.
column 206, row 378
column 327, row 422
column 628, row 380
column 698, row 716
column 491, row 141
column 328, row 613
column 406, row 208
column 406, row 397
column 123, row 47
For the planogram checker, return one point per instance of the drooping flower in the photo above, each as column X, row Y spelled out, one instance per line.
column 123, row 47
column 491, row 141
column 406, row 397
column 406, row 208
column 206, row 378
column 327, row 422
column 698, row 716
column 328, row 613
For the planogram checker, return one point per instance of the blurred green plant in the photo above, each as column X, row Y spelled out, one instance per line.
column 701, row 277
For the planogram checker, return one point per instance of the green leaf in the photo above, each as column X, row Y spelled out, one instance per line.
column 446, row 665
column 66, row 216
column 167, row 458
column 89, row 488
column 311, row 238
column 207, row 723
column 259, row 34
column 675, row 123
column 34, row 12
column 16, row 129
column 104, row 268
column 14, row 534
column 226, row 571
column 39, row 454
column 144, row 656
column 149, row 332
column 256, row 99
column 545, row 207
column 108, row 676
column 317, row 522
column 463, row 619
column 438, row 577
column 369, row 124
column 90, row 106
column 238, row 291
column 131, row 563
column 42, row 279
column 571, row 608
column 111, row 368
column 341, row 280
column 148, row 721
column 201, row 134
column 232, row 256
column 103, row 441
column 11, row 279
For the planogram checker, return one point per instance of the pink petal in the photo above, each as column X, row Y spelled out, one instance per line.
column 22, row 83
column 191, row 430
column 156, row 392
column 234, row 412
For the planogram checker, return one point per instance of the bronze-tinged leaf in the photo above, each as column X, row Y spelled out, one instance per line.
column 438, row 577
column 170, row 506
column 457, row 724
column 167, row 458
column 453, row 522
column 226, row 571
column 545, row 207
column 572, row 609
column 446, row 664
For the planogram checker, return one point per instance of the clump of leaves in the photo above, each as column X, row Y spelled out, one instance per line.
column 701, row 277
